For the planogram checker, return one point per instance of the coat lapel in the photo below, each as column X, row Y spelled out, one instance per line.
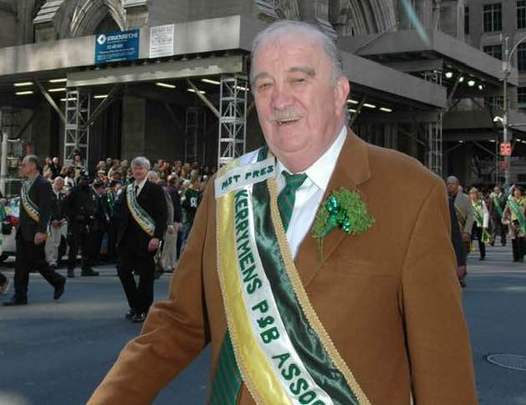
column 352, row 169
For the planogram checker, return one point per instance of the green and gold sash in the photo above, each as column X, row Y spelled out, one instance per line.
column 282, row 350
column 517, row 210
column 143, row 219
column 29, row 206
column 478, row 213
column 496, row 204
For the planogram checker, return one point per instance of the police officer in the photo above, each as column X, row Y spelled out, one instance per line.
column 101, row 220
column 81, row 207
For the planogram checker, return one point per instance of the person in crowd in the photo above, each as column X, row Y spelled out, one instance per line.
column 456, row 239
column 101, row 222
column 480, row 230
column 497, row 204
column 464, row 213
column 515, row 217
column 190, row 202
column 142, row 226
column 81, row 210
column 36, row 205
column 113, row 201
column 173, row 190
column 55, row 167
column 57, row 233
column 297, row 317
column 4, row 284
column 78, row 165
column 68, row 173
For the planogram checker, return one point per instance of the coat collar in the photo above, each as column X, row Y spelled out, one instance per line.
column 352, row 170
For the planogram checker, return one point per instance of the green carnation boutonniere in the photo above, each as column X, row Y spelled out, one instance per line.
column 343, row 209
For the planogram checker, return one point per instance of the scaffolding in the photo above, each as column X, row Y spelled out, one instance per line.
column 232, row 118
column 77, row 128
column 434, row 145
column 12, row 150
column 194, row 135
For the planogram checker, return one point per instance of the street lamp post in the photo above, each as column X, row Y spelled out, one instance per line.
column 506, row 68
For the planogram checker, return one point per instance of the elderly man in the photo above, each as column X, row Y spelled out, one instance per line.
column 465, row 218
column 36, row 202
column 309, row 286
column 497, row 204
column 57, row 232
column 142, row 224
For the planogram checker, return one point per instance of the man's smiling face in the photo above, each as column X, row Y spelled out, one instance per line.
column 300, row 104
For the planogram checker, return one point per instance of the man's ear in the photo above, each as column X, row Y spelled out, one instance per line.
column 341, row 92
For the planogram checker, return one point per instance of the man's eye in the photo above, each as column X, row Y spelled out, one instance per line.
column 298, row 80
column 264, row 86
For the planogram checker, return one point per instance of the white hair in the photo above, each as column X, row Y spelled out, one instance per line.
column 285, row 28
column 153, row 175
column 453, row 179
column 141, row 161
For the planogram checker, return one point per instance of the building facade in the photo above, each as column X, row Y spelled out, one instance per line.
column 421, row 81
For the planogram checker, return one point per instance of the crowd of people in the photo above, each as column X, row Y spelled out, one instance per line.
column 86, row 215
column 86, row 212
column 484, row 216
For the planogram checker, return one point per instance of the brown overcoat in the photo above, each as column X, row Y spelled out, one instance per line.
column 389, row 298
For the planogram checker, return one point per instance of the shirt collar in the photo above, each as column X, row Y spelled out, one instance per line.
column 141, row 184
column 320, row 172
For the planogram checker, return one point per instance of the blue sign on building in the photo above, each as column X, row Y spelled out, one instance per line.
column 117, row 46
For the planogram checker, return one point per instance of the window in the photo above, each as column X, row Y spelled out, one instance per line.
column 493, row 50
column 521, row 14
column 466, row 20
column 494, row 102
column 521, row 57
column 492, row 17
column 521, row 97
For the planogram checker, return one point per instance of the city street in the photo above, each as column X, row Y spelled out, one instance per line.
column 56, row 353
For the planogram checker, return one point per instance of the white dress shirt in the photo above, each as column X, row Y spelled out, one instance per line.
column 310, row 194
column 140, row 185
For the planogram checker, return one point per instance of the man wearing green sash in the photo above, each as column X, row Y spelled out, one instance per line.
column 497, row 203
column 515, row 217
column 309, row 286
column 36, row 203
column 481, row 221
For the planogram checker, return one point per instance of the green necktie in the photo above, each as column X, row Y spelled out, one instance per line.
column 227, row 382
column 287, row 197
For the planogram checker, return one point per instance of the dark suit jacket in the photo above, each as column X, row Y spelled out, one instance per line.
column 42, row 195
column 58, row 212
column 130, row 235
column 388, row 298
column 176, row 200
column 456, row 235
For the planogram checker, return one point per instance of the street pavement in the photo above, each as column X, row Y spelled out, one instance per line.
column 56, row 352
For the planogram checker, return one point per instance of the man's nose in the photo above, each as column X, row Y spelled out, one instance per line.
column 281, row 97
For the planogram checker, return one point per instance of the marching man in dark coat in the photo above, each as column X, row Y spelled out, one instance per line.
column 142, row 224
column 36, row 203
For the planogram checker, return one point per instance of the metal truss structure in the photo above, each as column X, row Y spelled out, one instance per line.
column 232, row 118
column 77, row 128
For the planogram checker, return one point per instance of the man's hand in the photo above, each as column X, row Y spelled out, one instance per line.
column 466, row 237
column 40, row 238
column 56, row 224
column 153, row 245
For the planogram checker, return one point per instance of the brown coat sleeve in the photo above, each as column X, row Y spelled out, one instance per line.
column 173, row 334
column 436, row 333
